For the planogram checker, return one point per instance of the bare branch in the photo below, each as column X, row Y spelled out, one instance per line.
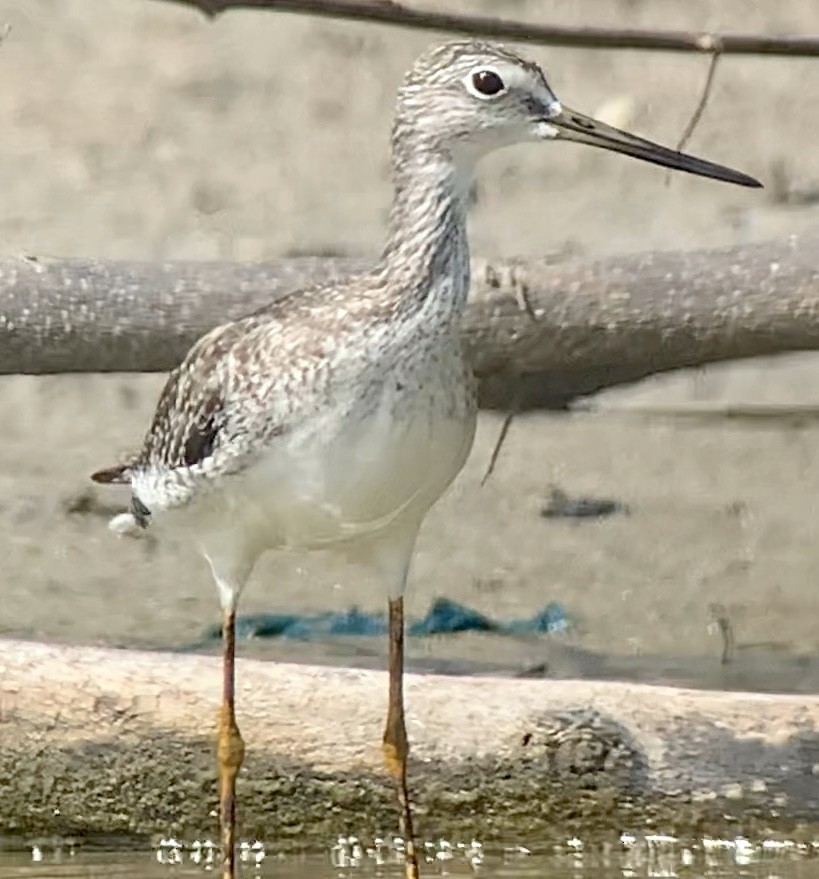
column 397, row 14
column 598, row 323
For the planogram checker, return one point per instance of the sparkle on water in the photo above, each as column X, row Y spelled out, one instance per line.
column 655, row 856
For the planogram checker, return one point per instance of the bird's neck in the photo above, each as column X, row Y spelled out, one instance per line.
column 426, row 258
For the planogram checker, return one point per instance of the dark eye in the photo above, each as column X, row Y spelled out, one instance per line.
column 487, row 82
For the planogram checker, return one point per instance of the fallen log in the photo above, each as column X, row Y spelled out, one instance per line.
column 108, row 743
column 544, row 331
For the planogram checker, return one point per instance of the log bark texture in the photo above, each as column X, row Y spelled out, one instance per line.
column 111, row 742
column 547, row 331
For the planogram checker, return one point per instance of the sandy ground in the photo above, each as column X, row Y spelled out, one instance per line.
column 139, row 130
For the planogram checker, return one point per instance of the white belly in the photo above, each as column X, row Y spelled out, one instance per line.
column 339, row 483
column 375, row 474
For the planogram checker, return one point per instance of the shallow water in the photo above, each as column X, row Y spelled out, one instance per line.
column 656, row 856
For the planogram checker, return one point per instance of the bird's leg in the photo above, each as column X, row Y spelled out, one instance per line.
column 395, row 744
column 231, row 749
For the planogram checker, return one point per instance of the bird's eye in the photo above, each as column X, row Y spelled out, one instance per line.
column 487, row 83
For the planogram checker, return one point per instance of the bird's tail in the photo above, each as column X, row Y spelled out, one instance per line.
column 132, row 523
column 120, row 474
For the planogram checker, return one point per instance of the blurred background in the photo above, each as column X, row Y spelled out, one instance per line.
column 139, row 130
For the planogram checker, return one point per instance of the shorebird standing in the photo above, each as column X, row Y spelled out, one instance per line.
column 337, row 416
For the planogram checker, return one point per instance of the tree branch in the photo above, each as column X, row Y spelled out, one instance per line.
column 392, row 13
column 597, row 323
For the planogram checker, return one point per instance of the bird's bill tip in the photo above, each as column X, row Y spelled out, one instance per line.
column 571, row 125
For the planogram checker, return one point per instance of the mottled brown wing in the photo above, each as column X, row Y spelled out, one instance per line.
column 227, row 396
column 190, row 411
column 241, row 385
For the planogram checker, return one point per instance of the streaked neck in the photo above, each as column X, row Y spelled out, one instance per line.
column 426, row 257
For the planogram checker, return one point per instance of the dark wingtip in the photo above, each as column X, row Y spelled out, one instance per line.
column 120, row 474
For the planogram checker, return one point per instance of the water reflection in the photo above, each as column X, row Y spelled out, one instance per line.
column 654, row 856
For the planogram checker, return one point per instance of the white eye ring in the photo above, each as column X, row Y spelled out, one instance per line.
column 494, row 79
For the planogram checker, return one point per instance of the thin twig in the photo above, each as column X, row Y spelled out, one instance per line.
column 699, row 109
column 391, row 13
column 706, row 93
column 524, row 303
column 514, row 409
column 722, row 621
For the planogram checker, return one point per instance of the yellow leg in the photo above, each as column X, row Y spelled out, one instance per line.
column 396, row 747
column 231, row 751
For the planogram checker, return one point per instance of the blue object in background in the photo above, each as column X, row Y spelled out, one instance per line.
column 449, row 616
column 553, row 618
column 444, row 617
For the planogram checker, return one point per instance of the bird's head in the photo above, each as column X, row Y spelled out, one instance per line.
column 466, row 98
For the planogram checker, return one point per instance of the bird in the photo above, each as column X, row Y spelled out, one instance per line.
column 335, row 417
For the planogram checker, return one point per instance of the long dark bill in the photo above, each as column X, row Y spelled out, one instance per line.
column 574, row 126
